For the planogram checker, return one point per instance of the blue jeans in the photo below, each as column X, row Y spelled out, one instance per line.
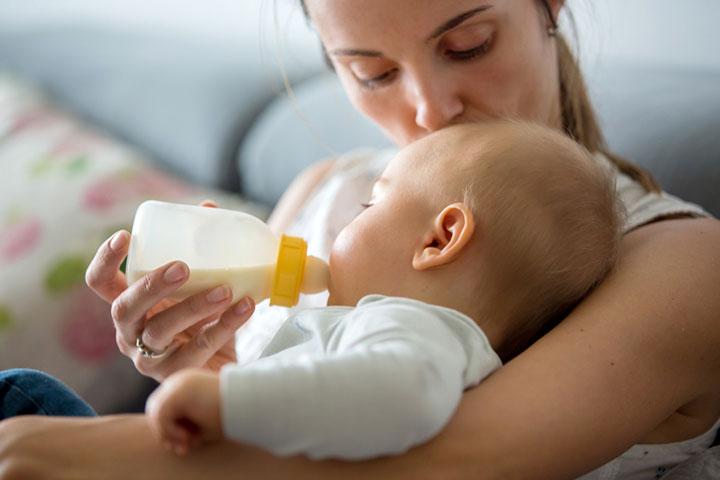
column 30, row 392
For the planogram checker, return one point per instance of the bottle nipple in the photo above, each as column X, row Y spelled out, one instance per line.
column 317, row 275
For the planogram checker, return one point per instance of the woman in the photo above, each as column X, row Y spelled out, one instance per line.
column 637, row 362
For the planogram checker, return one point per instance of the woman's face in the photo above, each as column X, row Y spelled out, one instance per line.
column 416, row 66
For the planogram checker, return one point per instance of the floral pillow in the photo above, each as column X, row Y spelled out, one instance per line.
column 64, row 188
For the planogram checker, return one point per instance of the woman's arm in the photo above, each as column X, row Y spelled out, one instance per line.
column 124, row 448
column 643, row 344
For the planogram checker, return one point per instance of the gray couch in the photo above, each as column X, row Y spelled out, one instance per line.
column 218, row 116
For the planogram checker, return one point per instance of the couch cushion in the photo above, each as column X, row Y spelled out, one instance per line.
column 291, row 135
column 665, row 120
column 186, row 101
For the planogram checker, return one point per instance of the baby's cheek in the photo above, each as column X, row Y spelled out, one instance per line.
column 350, row 259
column 340, row 268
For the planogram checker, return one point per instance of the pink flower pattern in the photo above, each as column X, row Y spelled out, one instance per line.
column 34, row 118
column 111, row 190
column 86, row 330
column 19, row 239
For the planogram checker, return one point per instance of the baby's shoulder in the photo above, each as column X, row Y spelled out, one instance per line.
column 380, row 312
column 382, row 306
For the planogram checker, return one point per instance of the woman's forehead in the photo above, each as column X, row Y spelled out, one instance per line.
column 372, row 22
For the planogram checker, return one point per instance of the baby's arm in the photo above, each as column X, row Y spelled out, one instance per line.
column 392, row 380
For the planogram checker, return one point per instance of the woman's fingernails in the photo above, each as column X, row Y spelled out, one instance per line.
column 242, row 307
column 175, row 273
column 117, row 242
column 218, row 294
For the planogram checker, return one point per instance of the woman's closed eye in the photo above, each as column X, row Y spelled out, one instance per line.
column 469, row 54
column 387, row 77
column 377, row 81
column 366, row 205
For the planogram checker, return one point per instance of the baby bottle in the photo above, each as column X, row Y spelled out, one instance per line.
column 223, row 247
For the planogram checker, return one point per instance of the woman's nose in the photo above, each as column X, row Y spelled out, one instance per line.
column 436, row 104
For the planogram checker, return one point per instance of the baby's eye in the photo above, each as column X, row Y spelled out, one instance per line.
column 366, row 205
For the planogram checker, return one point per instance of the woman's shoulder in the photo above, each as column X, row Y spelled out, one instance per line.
column 643, row 207
column 363, row 161
column 337, row 199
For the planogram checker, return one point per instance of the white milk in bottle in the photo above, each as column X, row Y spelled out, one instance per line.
column 223, row 247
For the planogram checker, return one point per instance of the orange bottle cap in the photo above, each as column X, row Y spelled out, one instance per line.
column 289, row 271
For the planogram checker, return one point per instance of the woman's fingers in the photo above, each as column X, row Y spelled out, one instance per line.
column 161, row 329
column 103, row 275
column 209, row 204
column 212, row 337
column 129, row 308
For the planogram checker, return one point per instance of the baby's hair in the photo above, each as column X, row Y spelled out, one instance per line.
column 550, row 219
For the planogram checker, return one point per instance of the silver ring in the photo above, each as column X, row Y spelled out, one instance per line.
column 145, row 351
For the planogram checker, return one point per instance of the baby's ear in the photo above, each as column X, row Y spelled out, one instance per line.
column 450, row 233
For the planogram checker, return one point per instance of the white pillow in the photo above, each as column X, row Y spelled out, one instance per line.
column 64, row 188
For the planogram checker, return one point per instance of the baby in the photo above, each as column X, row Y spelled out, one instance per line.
column 477, row 239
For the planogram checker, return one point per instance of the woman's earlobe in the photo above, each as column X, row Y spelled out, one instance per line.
column 552, row 9
column 555, row 7
column 450, row 233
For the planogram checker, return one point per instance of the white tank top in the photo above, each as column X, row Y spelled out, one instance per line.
column 337, row 201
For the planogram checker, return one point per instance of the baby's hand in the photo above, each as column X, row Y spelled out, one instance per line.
column 184, row 411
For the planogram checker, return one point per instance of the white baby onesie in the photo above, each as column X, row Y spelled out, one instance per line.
column 355, row 383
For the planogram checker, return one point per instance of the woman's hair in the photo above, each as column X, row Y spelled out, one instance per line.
column 579, row 119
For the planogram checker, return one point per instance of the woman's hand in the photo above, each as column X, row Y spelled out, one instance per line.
column 197, row 332
column 184, row 411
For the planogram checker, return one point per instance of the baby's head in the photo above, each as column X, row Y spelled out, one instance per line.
column 508, row 222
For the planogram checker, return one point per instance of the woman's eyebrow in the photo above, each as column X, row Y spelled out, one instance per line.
column 353, row 52
column 455, row 21
column 449, row 25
